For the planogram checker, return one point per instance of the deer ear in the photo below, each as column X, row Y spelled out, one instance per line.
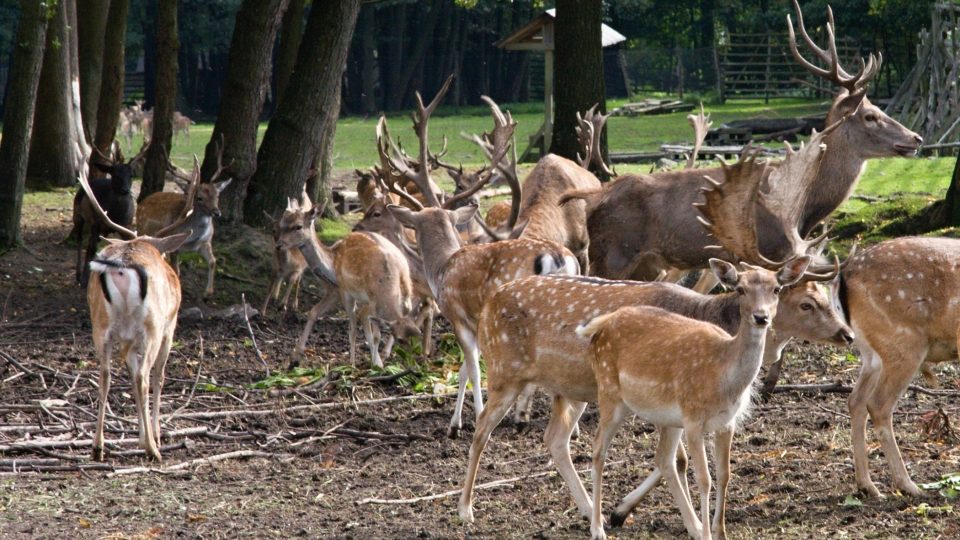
column 464, row 214
column 223, row 185
column 793, row 270
column 167, row 243
column 404, row 215
column 725, row 272
column 849, row 104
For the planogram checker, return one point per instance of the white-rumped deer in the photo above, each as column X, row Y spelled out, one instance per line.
column 642, row 224
column 133, row 296
column 687, row 377
column 165, row 213
column 371, row 274
column 901, row 298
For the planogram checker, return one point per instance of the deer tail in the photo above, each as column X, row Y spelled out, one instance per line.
column 579, row 194
column 594, row 325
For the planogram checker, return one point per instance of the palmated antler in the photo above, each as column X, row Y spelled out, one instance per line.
column 589, row 129
column 854, row 84
column 701, row 126
column 730, row 212
column 501, row 137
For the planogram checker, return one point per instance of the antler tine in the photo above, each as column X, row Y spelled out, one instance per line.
column 393, row 169
column 191, row 195
column 813, row 272
column 99, row 153
column 585, row 134
column 143, row 152
column 404, row 194
column 85, row 185
column 500, row 138
column 220, row 145
column 701, row 126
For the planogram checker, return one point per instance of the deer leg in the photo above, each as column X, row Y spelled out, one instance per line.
column 316, row 312
column 206, row 251
column 612, row 414
column 104, row 350
column 708, row 280
column 870, row 367
column 563, row 418
column 698, row 452
column 521, row 413
column 272, row 294
column 425, row 321
column 79, row 272
column 469, row 370
column 371, row 331
column 387, row 343
column 499, row 401
column 157, row 376
column 929, row 375
column 626, row 506
column 773, row 356
column 721, row 449
column 91, row 251
column 349, row 304
column 295, row 287
column 666, row 461
column 140, row 376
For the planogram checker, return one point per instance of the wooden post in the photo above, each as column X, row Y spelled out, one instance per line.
column 547, row 88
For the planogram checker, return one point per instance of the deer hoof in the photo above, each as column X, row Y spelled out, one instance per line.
column 97, row 453
column 453, row 432
column 617, row 519
column 870, row 491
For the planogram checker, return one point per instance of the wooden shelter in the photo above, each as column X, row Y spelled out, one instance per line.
column 538, row 35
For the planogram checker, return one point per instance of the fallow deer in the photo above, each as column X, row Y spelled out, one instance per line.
column 290, row 266
column 112, row 194
column 164, row 213
column 901, row 298
column 371, row 274
column 133, row 296
column 462, row 278
column 181, row 124
column 686, row 376
column 641, row 224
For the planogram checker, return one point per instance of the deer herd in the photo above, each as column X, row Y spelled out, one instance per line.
column 565, row 291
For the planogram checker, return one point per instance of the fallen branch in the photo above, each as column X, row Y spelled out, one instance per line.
column 238, row 454
column 835, row 387
column 253, row 338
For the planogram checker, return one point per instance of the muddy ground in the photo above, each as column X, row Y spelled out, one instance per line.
column 316, row 453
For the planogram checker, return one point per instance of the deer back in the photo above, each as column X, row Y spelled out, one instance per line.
column 371, row 268
column 540, row 208
column 159, row 210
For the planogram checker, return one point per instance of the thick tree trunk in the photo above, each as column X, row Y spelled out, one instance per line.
column 294, row 134
column 244, row 91
column 168, row 46
column 111, row 80
column 578, row 77
column 55, row 151
column 91, row 24
column 952, row 202
column 291, row 32
column 318, row 184
column 18, row 117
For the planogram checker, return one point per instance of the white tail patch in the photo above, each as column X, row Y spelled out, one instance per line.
column 594, row 325
column 124, row 289
column 548, row 264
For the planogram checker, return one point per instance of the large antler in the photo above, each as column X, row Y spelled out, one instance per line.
column 589, row 129
column 218, row 151
column 393, row 169
column 701, row 126
column 499, row 138
column 856, row 83
column 506, row 169
column 85, row 185
column 188, row 200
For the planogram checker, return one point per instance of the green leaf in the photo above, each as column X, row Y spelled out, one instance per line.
column 851, row 502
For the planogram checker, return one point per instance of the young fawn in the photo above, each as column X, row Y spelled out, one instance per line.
column 685, row 376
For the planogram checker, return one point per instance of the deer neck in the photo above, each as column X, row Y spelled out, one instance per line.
column 745, row 355
column 723, row 310
column 318, row 256
column 435, row 252
column 839, row 171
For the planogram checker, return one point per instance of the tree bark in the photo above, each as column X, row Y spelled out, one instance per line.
column 291, row 33
column 244, row 92
column 407, row 69
column 952, row 202
column 368, row 75
column 18, row 117
column 579, row 71
column 91, row 25
column 111, row 79
column 168, row 46
column 295, row 132
column 55, row 151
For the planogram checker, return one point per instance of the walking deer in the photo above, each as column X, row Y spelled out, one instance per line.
column 113, row 195
column 901, row 298
column 462, row 278
column 133, row 296
column 164, row 213
column 687, row 377
column 370, row 272
column 641, row 224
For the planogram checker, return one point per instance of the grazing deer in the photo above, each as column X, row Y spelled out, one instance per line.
column 181, row 124
column 164, row 213
column 371, row 274
column 461, row 277
column 687, row 377
column 901, row 298
column 113, row 194
column 133, row 296
column 641, row 224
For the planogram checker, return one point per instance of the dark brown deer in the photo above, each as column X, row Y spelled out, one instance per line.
column 642, row 224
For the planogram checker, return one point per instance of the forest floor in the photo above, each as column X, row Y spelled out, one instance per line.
column 304, row 461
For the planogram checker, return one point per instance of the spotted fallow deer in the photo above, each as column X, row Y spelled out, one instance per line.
column 462, row 278
column 165, row 212
column 290, row 266
column 901, row 297
column 642, row 224
column 133, row 296
column 371, row 274
column 526, row 331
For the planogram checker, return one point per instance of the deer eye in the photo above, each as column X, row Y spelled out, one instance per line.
column 297, row 227
column 376, row 214
column 777, row 290
column 806, row 306
column 741, row 291
column 871, row 117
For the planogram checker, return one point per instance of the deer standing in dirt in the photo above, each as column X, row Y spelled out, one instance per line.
column 526, row 331
column 164, row 213
column 462, row 278
column 112, row 194
column 901, row 298
column 371, row 274
column 133, row 296
column 642, row 224
column 290, row 266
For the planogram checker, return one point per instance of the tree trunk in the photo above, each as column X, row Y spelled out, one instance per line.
column 168, row 46
column 578, row 77
column 91, row 25
column 952, row 202
column 244, row 92
column 55, row 151
column 368, row 74
column 111, row 80
column 18, row 117
column 294, row 134
column 415, row 58
column 291, row 32
column 318, row 184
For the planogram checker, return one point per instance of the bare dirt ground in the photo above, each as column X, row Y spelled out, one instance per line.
column 310, row 457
